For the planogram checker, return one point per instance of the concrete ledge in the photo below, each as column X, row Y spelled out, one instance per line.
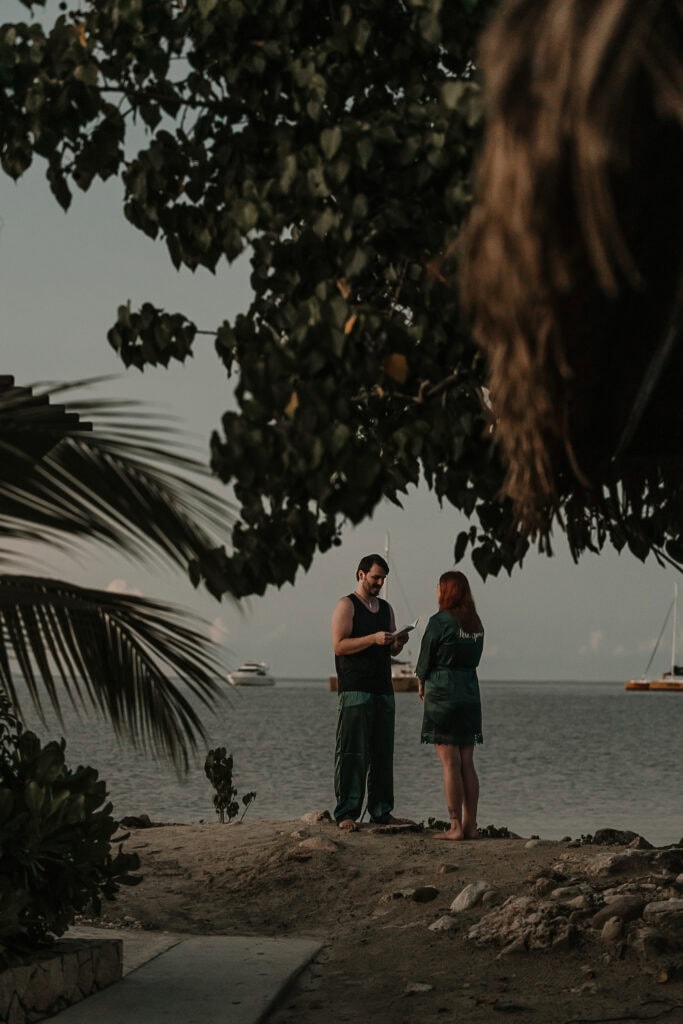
column 202, row 979
column 139, row 945
column 57, row 977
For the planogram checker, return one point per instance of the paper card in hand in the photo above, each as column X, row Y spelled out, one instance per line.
column 406, row 629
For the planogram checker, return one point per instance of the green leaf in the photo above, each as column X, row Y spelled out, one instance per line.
column 34, row 798
column 330, row 141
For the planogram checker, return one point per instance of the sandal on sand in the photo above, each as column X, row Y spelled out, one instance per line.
column 347, row 825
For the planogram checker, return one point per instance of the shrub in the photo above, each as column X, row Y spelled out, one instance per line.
column 218, row 770
column 55, row 835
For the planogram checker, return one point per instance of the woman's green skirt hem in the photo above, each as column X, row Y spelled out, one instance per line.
column 452, row 741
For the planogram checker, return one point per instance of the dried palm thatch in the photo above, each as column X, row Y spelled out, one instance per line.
column 572, row 259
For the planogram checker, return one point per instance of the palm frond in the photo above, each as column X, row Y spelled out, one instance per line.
column 119, row 485
column 136, row 661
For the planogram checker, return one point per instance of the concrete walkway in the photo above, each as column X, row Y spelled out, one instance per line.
column 192, row 979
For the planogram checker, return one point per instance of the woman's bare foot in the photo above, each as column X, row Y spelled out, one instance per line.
column 455, row 833
column 348, row 825
column 471, row 833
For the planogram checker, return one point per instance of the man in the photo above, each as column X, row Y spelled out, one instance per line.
column 363, row 639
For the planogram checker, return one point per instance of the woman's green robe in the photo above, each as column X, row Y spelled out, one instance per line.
column 448, row 667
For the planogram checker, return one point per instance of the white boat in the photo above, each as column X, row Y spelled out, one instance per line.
column 403, row 676
column 672, row 681
column 251, row 673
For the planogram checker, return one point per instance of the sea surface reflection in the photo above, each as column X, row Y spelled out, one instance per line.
column 558, row 758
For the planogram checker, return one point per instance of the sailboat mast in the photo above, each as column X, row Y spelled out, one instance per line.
column 673, row 638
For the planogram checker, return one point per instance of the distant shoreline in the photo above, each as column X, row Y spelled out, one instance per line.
column 483, row 679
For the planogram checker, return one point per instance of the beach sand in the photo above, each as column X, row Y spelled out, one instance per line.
column 371, row 897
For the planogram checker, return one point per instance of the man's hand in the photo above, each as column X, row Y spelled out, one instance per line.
column 383, row 639
column 399, row 643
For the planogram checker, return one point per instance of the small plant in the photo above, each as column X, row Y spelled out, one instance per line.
column 218, row 770
column 55, row 835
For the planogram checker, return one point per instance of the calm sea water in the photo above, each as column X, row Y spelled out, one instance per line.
column 558, row 759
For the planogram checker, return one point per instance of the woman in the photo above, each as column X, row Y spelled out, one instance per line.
column 448, row 685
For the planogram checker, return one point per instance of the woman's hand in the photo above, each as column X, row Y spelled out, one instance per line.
column 420, row 689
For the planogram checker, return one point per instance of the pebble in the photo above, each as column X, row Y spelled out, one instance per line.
column 470, row 896
column 543, row 886
column 567, row 892
column 611, row 929
column 588, row 988
column 648, row 942
column 446, row 923
column 417, row 988
column 425, row 893
column 667, row 915
column 420, row 894
column 319, row 845
column 313, row 817
column 625, row 907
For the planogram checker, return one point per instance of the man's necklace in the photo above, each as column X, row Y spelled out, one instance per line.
column 372, row 605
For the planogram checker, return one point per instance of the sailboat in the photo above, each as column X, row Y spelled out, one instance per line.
column 672, row 681
column 403, row 678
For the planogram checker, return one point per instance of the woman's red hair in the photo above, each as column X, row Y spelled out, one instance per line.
column 456, row 597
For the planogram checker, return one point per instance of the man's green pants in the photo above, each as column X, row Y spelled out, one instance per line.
column 364, row 753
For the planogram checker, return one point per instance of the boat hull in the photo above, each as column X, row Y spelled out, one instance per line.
column 246, row 680
column 401, row 684
column 251, row 673
column 662, row 685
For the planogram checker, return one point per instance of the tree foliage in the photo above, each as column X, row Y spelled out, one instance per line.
column 333, row 144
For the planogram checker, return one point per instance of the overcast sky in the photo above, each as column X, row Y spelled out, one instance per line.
column 62, row 277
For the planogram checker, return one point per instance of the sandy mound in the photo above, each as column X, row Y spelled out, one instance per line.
column 416, row 930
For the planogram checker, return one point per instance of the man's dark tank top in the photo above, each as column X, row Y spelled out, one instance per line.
column 368, row 670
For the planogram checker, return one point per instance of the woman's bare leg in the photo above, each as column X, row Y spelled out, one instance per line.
column 453, row 789
column 470, row 785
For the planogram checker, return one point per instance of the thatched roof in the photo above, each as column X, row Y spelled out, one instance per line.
column 573, row 256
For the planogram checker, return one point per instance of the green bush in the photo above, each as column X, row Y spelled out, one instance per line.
column 218, row 770
column 55, row 836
